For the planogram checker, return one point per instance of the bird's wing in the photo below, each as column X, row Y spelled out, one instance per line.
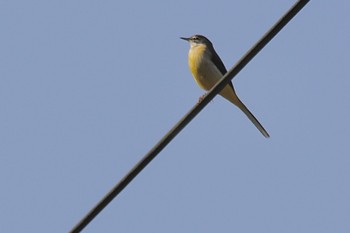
column 220, row 65
column 217, row 61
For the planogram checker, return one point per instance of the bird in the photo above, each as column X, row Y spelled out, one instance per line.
column 207, row 69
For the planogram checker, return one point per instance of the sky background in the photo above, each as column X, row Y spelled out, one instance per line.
column 88, row 87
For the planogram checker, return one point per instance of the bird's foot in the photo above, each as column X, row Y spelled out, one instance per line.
column 201, row 98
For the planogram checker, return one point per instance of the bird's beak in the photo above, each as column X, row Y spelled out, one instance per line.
column 184, row 38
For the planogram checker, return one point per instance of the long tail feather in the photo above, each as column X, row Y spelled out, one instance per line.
column 253, row 119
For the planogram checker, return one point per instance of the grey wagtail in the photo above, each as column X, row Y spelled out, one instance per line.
column 207, row 69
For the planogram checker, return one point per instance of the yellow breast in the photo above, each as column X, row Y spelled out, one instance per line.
column 202, row 68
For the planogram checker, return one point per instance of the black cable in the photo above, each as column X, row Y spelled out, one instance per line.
column 188, row 117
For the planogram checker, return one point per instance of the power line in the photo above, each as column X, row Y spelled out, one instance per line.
column 189, row 116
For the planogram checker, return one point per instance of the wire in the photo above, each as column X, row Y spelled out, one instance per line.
column 188, row 117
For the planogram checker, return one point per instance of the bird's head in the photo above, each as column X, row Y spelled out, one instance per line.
column 197, row 40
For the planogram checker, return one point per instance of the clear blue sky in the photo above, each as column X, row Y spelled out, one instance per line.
column 88, row 87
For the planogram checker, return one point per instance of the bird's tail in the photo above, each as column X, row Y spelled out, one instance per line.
column 252, row 118
column 229, row 93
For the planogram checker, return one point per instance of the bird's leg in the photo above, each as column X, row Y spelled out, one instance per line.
column 202, row 97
